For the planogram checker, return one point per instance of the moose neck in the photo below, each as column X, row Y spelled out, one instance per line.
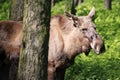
column 60, row 74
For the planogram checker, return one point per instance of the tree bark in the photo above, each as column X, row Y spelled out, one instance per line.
column 74, row 4
column 71, row 5
column 34, row 52
column 108, row 4
column 52, row 3
column 80, row 1
column 16, row 12
column 73, row 10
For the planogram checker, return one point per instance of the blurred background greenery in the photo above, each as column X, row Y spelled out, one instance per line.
column 93, row 67
column 4, row 9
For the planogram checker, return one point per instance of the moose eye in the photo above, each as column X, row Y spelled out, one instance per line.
column 95, row 28
column 84, row 29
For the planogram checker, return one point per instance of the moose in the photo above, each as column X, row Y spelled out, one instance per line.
column 70, row 35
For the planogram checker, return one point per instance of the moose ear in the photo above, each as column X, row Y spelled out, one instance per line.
column 71, row 16
column 91, row 13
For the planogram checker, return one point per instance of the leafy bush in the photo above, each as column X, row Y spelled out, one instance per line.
column 58, row 8
column 4, row 9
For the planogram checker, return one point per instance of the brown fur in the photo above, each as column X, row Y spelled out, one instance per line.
column 10, row 37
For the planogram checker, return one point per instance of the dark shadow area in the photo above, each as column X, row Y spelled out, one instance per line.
column 4, row 72
column 4, row 66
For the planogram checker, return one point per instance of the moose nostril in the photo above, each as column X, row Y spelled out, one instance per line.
column 91, row 38
column 102, row 49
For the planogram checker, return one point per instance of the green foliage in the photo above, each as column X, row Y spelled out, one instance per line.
column 105, row 66
column 59, row 8
column 4, row 9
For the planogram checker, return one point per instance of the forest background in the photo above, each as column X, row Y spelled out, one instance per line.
column 93, row 67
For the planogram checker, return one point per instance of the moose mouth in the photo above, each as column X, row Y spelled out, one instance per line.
column 98, row 48
column 86, row 50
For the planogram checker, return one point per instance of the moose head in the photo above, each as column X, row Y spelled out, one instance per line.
column 87, row 32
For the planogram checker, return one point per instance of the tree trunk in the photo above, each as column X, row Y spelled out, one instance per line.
column 108, row 4
column 34, row 52
column 74, row 4
column 71, row 5
column 73, row 10
column 52, row 3
column 16, row 12
column 80, row 1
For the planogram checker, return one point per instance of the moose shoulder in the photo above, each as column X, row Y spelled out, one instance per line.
column 69, row 36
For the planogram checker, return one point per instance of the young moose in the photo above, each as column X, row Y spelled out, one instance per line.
column 69, row 36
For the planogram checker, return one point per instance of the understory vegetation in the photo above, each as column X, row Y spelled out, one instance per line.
column 92, row 67
column 4, row 9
